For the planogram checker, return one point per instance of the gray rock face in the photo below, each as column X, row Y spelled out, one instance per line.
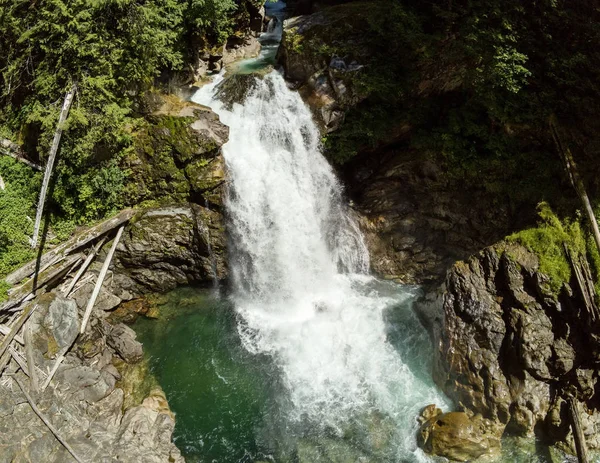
column 417, row 222
column 512, row 350
column 326, row 82
column 122, row 339
column 173, row 246
column 82, row 402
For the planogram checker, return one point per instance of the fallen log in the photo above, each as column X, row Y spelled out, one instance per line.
column 5, row 330
column 100, row 280
column 45, row 420
column 8, row 148
column 75, row 243
column 33, row 379
column 18, row 356
column 19, row 359
column 57, row 363
column 45, row 278
column 64, row 112
column 576, row 181
column 14, row 330
column 586, row 288
column 93, row 253
column 578, row 436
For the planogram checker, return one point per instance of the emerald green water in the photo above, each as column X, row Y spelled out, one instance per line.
column 230, row 404
column 218, row 391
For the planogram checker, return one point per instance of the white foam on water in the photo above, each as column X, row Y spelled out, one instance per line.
column 299, row 268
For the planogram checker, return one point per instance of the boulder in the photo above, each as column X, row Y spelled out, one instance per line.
column 457, row 435
column 54, row 326
column 173, row 246
column 177, row 156
column 123, row 340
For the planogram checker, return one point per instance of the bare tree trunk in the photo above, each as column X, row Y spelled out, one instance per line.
column 98, row 287
column 2, row 185
column 83, row 268
column 30, row 360
column 576, row 182
column 50, row 164
column 578, row 436
column 77, row 242
column 14, row 330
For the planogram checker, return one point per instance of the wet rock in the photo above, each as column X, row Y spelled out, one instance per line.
column 243, row 47
column 457, row 435
column 235, row 88
column 122, row 339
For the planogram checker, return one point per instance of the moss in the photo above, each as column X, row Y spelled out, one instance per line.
column 136, row 381
column 547, row 241
column 52, row 348
column 293, row 40
column 4, row 287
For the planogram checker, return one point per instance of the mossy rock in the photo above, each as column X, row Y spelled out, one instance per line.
column 136, row 381
column 235, row 88
column 172, row 159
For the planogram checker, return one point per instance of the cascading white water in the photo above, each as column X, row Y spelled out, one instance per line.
column 299, row 268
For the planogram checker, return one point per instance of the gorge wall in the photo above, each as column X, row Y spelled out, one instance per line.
column 511, row 349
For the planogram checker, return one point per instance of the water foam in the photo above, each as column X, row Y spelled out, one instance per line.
column 299, row 268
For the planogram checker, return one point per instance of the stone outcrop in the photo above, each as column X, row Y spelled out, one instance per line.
column 177, row 156
column 417, row 221
column 418, row 217
column 324, row 80
column 511, row 349
column 171, row 246
column 84, row 401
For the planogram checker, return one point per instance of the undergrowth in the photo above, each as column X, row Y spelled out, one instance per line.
column 548, row 239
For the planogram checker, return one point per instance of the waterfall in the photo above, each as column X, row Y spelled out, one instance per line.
column 299, row 267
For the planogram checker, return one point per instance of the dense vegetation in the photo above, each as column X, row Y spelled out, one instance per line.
column 118, row 53
column 473, row 85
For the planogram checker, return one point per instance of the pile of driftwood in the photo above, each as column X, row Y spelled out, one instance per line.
column 61, row 269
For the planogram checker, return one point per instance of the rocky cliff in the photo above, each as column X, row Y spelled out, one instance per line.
column 398, row 121
column 102, row 400
column 512, row 349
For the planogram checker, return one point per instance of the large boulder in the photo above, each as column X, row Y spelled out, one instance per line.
column 457, row 435
column 177, row 156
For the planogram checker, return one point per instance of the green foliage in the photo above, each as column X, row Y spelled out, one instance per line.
column 4, row 287
column 16, row 209
column 115, row 51
column 547, row 241
column 212, row 18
